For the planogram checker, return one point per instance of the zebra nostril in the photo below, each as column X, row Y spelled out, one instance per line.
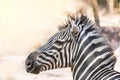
column 28, row 64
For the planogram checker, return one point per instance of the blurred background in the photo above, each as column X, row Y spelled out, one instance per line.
column 27, row 24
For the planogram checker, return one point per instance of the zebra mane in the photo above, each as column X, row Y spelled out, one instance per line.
column 84, row 20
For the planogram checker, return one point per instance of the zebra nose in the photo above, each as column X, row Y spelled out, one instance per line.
column 28, row 63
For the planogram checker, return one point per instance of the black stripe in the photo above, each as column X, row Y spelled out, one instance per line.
column 93, row 46
column 43, row 64
column 86, row 32
column 61, row 59
column 97, row 63
column 116, row 77
column 90, row 59
column 51, row 56
column 55, row 48
column 85, row 43
column 90, row 49
column 113, row 74
column 65, row 54
column 69, row 50
column 43, row 58
column 106, row 65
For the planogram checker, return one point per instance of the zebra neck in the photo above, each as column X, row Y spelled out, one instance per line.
column 91, row 54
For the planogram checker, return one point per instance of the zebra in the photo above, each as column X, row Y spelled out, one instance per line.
column 78, row 45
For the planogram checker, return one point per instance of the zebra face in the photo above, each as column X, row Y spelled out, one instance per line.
column 55, row 53
column 47, row 57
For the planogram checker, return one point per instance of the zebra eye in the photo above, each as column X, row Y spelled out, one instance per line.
column 50, row 52
column 59, row 42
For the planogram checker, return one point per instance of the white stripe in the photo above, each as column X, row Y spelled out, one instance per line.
column 97, row 49
column 103, row 63
column 91, row 64
column 87, row 36
column 113, row 76
column 79, row 39
column 92, row 42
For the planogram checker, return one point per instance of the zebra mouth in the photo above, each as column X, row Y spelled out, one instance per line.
column 34, row 69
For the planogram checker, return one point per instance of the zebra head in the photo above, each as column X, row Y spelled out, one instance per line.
column 56, row 53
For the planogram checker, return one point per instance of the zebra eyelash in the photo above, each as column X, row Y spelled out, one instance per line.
column 59, row 42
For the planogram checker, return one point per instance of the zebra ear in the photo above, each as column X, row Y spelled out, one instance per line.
column 74, row 30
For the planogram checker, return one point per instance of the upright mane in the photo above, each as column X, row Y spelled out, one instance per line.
column 82, row 18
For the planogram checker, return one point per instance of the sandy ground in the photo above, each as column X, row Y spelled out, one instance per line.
column 27, row 24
